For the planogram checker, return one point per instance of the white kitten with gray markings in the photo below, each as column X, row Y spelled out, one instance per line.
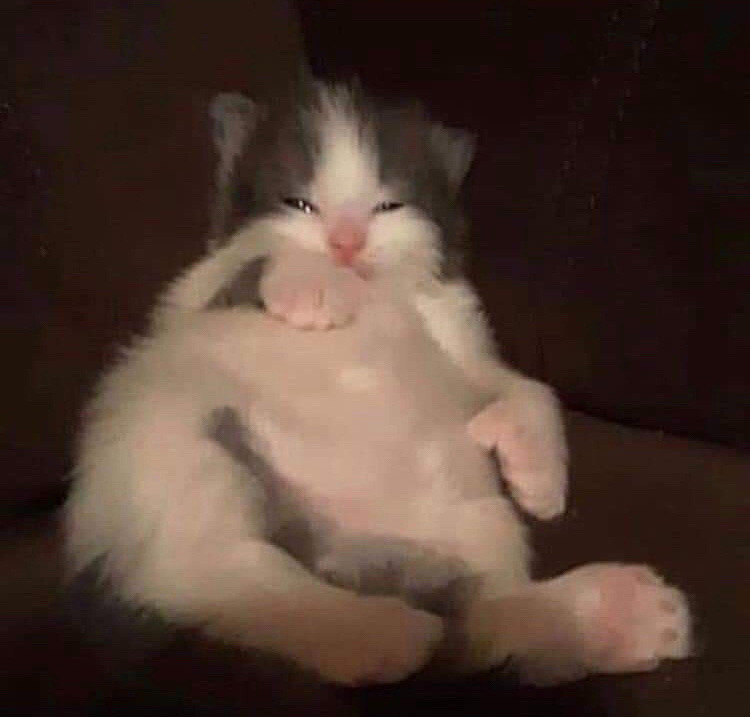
column 330, row 363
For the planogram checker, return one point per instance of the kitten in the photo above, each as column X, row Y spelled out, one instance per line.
column 299, row 457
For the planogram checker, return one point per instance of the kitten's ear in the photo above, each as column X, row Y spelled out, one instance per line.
column 234, row 118
column 455, row 148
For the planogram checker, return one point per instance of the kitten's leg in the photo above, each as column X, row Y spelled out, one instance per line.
column 598, row 618
column 525, row 427
column 181, row 526
column 522, row 420
column 254, row 594
column 225, row 278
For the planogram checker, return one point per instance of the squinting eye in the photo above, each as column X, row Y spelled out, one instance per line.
column 301, row 205
column 387, row 207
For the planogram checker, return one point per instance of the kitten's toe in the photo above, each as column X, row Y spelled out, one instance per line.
column 541, row 493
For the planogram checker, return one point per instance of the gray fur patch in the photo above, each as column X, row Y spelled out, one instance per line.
column 427, row 163
column 297, row 532
column 373, row 565
column 455, row 150
column 234, row 118
column 225, row 428
column 243, row 289
column 277, row 163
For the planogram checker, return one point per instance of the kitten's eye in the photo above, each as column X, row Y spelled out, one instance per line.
column 301, row 205
column 387, row 207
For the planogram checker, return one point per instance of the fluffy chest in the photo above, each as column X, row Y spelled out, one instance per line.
column 367, row 422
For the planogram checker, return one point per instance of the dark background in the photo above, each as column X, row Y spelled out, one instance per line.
column 610, row 208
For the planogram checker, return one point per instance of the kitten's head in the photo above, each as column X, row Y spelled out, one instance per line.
column 374, row 187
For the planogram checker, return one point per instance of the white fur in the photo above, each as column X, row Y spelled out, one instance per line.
column 347, row 174
column 430, row 456
column 358, row 378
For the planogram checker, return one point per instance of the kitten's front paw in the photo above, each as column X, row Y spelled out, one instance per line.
column 312, row 293
column 526, row 431
column 383, row 640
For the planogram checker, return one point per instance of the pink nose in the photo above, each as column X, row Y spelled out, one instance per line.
column 346, row 239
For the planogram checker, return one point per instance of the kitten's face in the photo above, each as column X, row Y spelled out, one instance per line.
column 374, row 189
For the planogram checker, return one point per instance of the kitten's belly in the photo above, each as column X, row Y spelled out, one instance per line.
column 368, row 422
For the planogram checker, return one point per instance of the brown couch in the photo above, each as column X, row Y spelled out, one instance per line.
column 609, row 202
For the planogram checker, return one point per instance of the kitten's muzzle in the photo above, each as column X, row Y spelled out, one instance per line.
column 347, row 239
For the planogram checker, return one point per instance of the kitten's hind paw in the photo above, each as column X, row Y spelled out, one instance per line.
column 625, row 618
